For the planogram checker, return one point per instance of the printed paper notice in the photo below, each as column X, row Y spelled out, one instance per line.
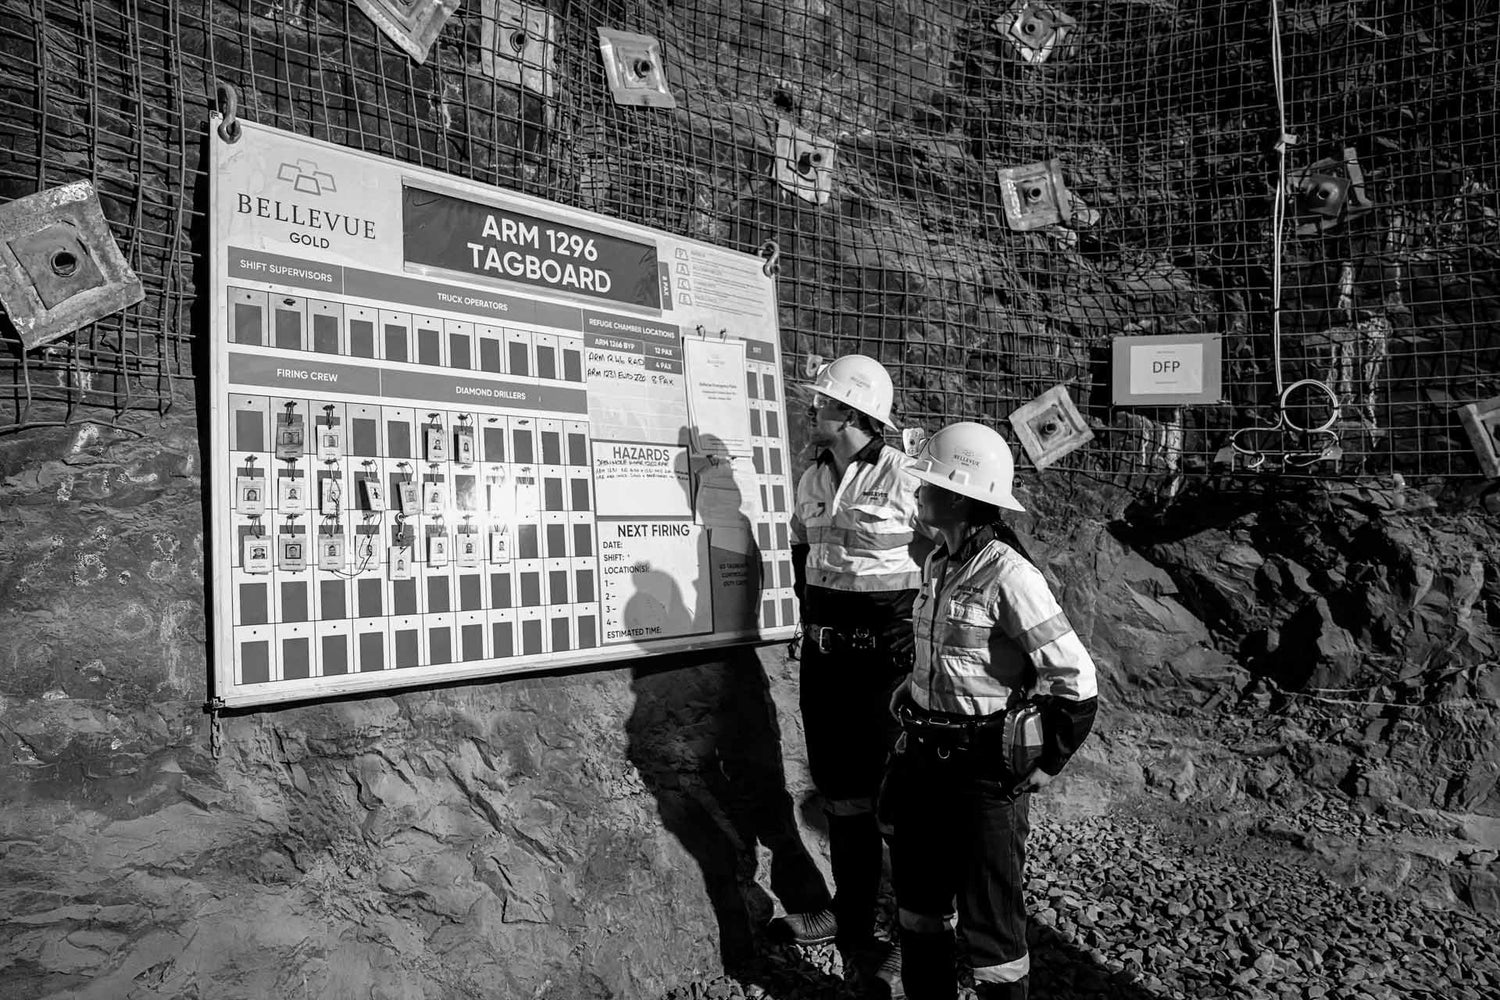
column 728, row 493
column 655, row 580
column 735, row 565
column 716, row 396
column 1166, row 368
column 641, row 479
column 719, row 283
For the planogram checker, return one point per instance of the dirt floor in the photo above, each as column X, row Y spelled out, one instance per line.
column 1305, row 894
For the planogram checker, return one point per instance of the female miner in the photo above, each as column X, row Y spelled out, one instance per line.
column 1002, row 694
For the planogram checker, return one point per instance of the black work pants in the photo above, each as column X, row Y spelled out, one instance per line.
column 958, row 858
column 849, row 731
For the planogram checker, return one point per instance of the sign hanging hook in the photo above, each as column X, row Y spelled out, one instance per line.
column 771, row 251
column 229, row 104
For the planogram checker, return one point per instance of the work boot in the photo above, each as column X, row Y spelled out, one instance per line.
column 889, row 972
column 818, row 927
column 875, row 969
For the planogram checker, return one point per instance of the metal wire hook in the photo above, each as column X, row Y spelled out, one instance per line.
column 771, row 250
column 229, row 103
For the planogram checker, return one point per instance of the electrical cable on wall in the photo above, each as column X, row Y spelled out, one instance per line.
column 1322, row 439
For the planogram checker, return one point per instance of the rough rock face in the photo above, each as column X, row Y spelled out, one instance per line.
column 596, row 834
column 1371, row 597
column 572, row 836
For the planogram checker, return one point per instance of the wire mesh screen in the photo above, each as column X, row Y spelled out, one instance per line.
column 1312, row 185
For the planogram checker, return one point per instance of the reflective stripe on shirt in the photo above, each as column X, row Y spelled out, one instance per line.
column 859, row 527
column 860, row 538
column 864, row 583
column 988, row 627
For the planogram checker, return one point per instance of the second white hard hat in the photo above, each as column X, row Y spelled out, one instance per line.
column 860, row 382
column 972, row 460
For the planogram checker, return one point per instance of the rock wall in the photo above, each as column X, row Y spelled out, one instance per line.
column 1376, row 599
column 609, row 833
column 588, row 835
column 595, row 834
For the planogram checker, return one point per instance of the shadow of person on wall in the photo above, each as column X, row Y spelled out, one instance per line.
column 704, row 736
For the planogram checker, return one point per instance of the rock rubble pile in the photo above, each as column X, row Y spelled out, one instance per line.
column 1126, row 909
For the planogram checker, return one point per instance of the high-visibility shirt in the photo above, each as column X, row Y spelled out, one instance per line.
column 989, row 628
column 859, row 528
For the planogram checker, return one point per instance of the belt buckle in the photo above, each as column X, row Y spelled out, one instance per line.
column 826, row 638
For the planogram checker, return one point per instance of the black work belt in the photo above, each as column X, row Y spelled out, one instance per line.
column 836, row 640
column 945, row 734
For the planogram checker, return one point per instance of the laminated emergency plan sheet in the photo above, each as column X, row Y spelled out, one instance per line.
column 457, row 431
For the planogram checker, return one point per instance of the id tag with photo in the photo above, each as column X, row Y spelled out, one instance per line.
column 437, row 445
column 293, row 552
column 256, row 554
column 468, row 549
column 437, row 551
column 374, row 495
column 330, row 495
column 366, row 553
column 464, row 441
column 410, row 497
column 250, row 495
column 290, row 440
column 330, row 443
column 291, row 495
column 499, row 546
column 434, row 498
column 331, row 552
column 401, row 560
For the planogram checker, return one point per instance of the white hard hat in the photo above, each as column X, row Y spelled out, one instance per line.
column 860, row 382
column 970, row 459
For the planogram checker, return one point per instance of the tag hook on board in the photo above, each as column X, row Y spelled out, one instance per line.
column 229, row 104
column 771, row 251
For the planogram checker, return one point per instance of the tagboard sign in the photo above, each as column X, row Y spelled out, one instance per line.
column 460, row 432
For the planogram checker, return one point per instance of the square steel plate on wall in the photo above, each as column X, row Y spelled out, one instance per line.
column 1050, row 427
column 60, row 268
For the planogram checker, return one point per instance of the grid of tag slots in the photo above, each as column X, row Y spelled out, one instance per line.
column 297, row 323
column 773, row 472
column 371, row 537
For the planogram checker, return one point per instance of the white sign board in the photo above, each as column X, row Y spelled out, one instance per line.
column 1169, row 370
column 460, row 432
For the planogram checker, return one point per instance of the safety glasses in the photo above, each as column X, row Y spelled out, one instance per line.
column 820, row 403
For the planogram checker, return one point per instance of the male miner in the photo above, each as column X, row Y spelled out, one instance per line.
column 856, row 574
